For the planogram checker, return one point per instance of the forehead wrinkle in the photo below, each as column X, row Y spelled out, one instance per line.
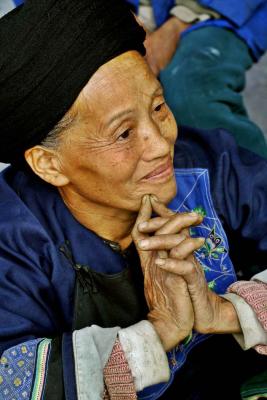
column 126, row 112
column 111, row 81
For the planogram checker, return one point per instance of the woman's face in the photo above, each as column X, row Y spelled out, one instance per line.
column 121, row 145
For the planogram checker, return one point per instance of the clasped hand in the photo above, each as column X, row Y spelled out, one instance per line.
column 176, row 290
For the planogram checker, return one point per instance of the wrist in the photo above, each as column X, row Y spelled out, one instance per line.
column 229, row 321
column 169, row 334
column 176, row 26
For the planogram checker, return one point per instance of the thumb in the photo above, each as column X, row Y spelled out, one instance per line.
column 159, row 208
column 144, row 215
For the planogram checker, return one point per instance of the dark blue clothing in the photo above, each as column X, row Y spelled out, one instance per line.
column 37, row 280
column 247, row 18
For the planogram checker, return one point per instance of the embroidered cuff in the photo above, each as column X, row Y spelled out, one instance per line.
column 92, row 347
column 252, row 331
column 255, row 294
column 145, row 355
column 118, row 377
column 23, row 370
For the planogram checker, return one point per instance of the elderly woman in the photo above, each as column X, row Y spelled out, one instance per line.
column 98, row 277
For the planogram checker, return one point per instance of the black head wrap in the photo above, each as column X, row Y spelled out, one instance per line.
column 49, row 49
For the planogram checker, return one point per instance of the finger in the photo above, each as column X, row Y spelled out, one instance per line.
column 143, row 216
column 178, row 222
column 163, row 254
column 190, row 270
column 160, row 207
column 186, row 248
column 183, row 268
column 152, row 225
column 194, row 276
column 161, row 242
column 173, row 224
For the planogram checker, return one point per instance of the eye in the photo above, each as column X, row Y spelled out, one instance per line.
column 125, row 134
column 159, row 107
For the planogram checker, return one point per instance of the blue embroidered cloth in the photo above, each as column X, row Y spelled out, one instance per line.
column 194, row 195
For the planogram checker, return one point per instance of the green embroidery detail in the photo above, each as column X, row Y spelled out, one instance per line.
column 212, row 285
column 188, row 339
column 200, row 210
column 17, row 382
column 212, row 247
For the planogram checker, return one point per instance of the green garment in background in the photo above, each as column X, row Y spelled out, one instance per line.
column 204, row 81
column 255, row 387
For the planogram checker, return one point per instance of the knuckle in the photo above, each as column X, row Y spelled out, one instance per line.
column 191, row 268
column 192, row 243
column 176, row 253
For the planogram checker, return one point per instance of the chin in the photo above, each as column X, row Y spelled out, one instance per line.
column 166, row 192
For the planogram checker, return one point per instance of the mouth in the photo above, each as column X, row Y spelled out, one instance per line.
column 162, row 172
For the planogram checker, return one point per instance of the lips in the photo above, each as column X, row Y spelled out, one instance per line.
column 160, row 171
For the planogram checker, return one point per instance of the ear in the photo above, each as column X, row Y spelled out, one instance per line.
column 46, row 164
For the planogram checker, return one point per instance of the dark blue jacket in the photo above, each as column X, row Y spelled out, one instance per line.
column 37, row 280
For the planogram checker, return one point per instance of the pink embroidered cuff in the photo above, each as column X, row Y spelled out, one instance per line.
column 255, row 295
column 119, row 384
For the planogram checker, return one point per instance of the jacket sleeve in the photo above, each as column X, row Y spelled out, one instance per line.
column 41, row 358
column 238, row 12
column 251, row 298
column 239, row 191
column 71, row 365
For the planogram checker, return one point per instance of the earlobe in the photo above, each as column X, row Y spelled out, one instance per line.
column 45, row 163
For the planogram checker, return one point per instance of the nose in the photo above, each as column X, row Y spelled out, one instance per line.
column 155, row 143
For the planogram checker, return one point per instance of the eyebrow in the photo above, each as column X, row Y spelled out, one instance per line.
column 118, row 116
column 129, row 111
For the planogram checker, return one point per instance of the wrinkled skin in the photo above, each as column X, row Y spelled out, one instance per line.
column 175, row 284
column 171, row 310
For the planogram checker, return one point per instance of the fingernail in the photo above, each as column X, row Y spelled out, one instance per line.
column 143, row 244
column 142, row 225
column 160, row 261
column 194, row 214
column 144, row 199
column 201, row 240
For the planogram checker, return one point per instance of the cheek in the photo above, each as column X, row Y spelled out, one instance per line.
column 120, row 165
column 169, row 128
